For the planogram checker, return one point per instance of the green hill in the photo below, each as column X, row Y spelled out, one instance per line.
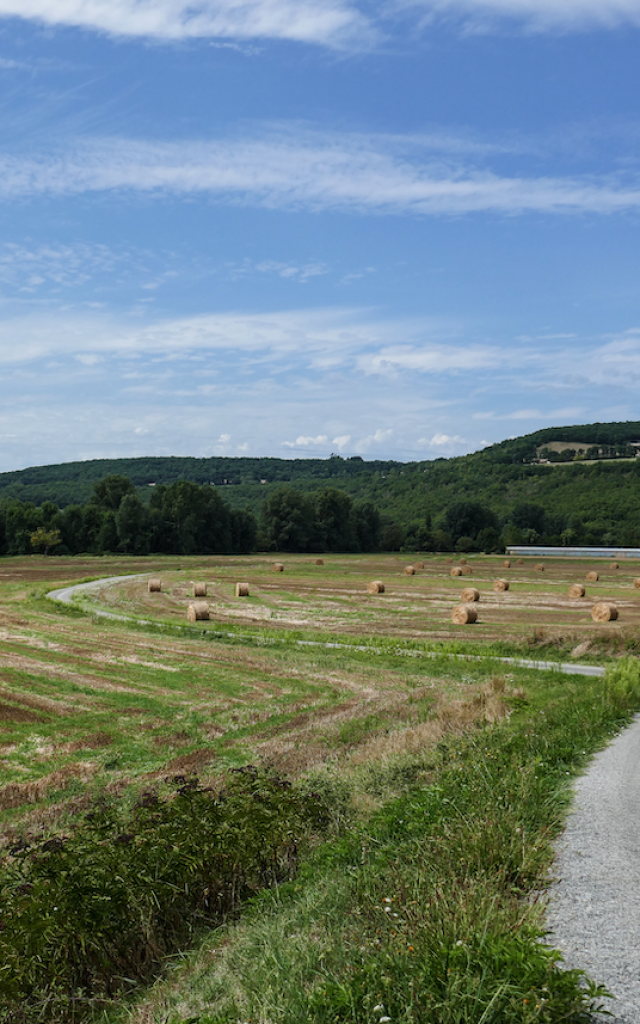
column 495, row 496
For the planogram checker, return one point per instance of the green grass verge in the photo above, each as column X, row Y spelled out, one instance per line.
column 427, row 912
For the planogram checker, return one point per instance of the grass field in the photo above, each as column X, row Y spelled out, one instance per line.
column 309, row 675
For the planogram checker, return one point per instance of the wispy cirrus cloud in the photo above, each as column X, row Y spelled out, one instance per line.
column 325, row 22
column 312, row 171
column 536, row 15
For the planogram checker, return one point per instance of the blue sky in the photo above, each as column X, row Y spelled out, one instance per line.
column 401, row 229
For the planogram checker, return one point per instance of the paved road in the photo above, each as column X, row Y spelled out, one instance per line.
column 594, row 912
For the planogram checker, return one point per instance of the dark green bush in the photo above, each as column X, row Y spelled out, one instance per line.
column 85, row 915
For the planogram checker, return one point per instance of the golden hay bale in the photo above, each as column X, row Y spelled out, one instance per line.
column 154, row 586
column 500, row 586
column 470, row 594
column 615, row 565
column 604, row 611
column 576, row 590
column 636, row 583
column 539, row 567
column 198, row 611
column 409, row 570
column 242, row 590
column 506, row 564
column 592, row 576
column 463, row 614
column 319, row 561
column 278, row 567
column 376, row 587
column 419, row 565
column 467, row 570
column 462, row 561
column 456, row 571
column 520, row 561
column 199, row 589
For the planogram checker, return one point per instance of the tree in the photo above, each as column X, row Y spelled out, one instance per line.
column 467, row 518
column 333, row 525
column 132, row 526
column 288, row 519
column 109, row 492
column 43, row 540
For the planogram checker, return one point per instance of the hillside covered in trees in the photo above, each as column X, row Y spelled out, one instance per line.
column 483, row 501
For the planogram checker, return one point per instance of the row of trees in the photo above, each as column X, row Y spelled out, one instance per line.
column 182, row 518
column 188, row 518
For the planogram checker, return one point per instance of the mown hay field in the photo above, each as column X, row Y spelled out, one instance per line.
column 90, row 702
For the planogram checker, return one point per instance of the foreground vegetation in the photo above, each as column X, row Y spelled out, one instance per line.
column 384, row 857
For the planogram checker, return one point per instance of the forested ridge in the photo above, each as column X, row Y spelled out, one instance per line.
column 482, row 501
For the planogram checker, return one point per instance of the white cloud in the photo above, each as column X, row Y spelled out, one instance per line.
column 428, row 359
column 341, row 442
column 325, row 22
column 307, row 442
column 540, row 15
column 380, row 436
column 442, row 441
column 288, row 271
column 315, row 171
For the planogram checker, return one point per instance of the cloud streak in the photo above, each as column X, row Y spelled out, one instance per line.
column 537, row 15
column 333, row 23
column 312, row 171
column 325, row 22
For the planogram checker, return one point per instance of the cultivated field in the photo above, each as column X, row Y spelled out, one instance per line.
column 439, row 782
column 89, row 701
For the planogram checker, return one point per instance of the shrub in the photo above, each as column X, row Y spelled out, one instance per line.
column 87, row 914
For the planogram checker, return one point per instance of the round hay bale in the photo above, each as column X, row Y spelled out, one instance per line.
column 456, row 571
column 604, row 611
column 467, row 570
column 419, row 565
column 464, row 614
column 319, row 561
column 615, row 565
column 576, row 590
column 520, row 561
column 500, row 586
column 539, row 567
column 506, row 564
column 462, row 561
column 278, row 567
column 470, row 594
column 242, row 590
column 636, row 583
column 154, row 586
column 409, row 570
column 376, row 587
column 592, row 576
column 199, row 589
column 198, row 611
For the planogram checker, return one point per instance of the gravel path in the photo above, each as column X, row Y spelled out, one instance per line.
column 594, row 912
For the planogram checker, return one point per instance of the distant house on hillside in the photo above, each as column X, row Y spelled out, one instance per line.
column 577, row 451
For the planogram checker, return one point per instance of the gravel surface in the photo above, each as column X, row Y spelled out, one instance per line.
column 594, row 910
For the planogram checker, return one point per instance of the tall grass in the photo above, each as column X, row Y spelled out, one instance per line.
column 430, row 912
column 87, row 914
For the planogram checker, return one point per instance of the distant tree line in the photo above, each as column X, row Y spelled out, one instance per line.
column 187, row 518
column 181, row 518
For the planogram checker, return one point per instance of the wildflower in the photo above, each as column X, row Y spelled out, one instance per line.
column 384, row 1020
column 379, row 1008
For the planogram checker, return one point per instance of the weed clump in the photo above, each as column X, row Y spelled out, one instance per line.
column 88, row 914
